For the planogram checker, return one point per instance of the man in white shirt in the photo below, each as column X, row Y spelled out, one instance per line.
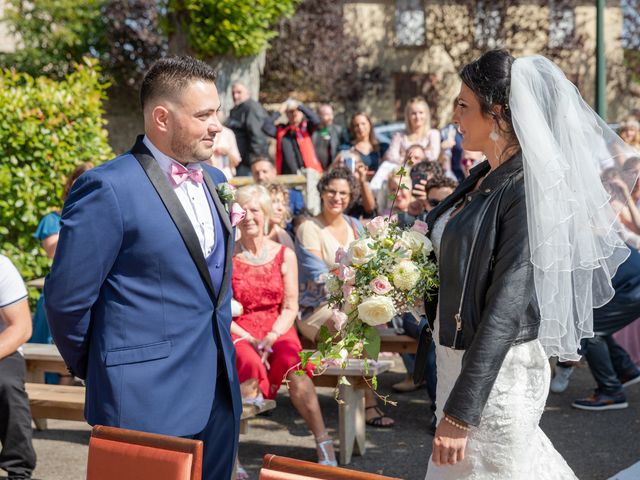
column 17, row 456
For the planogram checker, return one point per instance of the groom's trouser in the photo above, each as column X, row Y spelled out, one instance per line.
column 17, row 456
column 220, row 435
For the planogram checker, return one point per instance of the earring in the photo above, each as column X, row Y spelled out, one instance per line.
column 494, row 136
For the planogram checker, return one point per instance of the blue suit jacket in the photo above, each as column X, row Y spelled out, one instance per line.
column 130, row 309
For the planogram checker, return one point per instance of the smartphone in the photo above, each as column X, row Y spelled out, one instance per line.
column 417, row 175
column 349, row 163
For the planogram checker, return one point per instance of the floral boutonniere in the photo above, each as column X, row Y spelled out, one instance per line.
column 227, row 194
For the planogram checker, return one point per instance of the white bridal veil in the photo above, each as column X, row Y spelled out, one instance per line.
column 575, row 239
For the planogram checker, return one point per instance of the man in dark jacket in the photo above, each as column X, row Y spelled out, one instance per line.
column 609, row 363
column 328, row 137
column 245, row 119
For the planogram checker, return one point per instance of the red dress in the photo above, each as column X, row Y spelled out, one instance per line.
column 260, row 290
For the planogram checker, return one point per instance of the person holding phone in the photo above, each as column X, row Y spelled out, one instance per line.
column 365, row 142
column 364, row 205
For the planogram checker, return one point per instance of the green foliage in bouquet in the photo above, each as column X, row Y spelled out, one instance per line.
column 386, row 272
column 46, row 129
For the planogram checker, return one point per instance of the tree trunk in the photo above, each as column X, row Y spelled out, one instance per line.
column 230, row 69
column 245, row 70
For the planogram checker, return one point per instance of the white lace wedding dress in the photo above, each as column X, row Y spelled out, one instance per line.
column 508, row 444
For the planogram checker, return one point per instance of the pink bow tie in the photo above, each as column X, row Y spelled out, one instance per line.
column 180, row 173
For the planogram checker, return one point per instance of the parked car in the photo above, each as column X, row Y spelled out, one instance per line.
column 386, row 130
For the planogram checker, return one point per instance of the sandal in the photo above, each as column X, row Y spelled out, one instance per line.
column 323, row 452
column 378, row 421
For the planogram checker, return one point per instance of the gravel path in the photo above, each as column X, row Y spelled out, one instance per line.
column 596, row 444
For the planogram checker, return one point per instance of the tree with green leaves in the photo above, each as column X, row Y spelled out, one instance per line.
column 48, row 127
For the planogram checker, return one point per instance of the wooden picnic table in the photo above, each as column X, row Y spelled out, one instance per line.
column 287, row 180
column 42, row 358
column 389, row 342
column 36, row 283
column 351, row 404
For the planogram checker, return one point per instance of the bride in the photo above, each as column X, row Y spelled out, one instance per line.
column 527, row 246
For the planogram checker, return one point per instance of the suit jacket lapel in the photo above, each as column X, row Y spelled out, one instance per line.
column 222, row 213
column 229, row 234
column 171, row 202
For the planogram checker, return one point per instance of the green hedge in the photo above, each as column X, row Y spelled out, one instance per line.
column 46, row 129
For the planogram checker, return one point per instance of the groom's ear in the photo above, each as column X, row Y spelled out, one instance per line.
column 160, row 118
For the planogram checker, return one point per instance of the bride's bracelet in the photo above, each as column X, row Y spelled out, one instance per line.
column 456, row 423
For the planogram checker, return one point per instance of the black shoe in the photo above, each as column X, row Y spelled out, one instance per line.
column 631, row 379
column 602, row 401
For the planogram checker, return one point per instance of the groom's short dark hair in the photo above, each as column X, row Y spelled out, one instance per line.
column 170, row 75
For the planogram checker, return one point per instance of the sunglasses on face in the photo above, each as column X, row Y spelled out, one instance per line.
column 433, row 202
column 467, row 162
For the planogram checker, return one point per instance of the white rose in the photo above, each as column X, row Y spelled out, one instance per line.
column 359, row 252
column 332, row 285
column 405, row 275
column 415, row 241
column 376, row 310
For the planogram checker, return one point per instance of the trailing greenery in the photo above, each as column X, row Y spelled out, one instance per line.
column 236, row 27
column 47, row 128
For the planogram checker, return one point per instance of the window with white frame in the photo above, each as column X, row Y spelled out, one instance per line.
column 562, row 23
column 488, row 23
column 410, row 23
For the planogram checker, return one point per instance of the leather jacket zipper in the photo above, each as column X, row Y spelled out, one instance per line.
column 458, row 316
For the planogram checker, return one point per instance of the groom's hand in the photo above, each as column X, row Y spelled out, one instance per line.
column 449, row 444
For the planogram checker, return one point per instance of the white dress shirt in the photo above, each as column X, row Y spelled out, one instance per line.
column 192, row 197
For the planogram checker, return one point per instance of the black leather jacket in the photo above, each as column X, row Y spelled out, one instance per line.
column 487, row 297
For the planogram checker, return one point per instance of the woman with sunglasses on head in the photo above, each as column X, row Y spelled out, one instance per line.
column 512, row 243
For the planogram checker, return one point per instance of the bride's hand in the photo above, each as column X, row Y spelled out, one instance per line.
column 449, row 444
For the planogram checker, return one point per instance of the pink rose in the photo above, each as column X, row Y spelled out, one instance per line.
column 340, row 254
column 420, row 227
column 339, row 319
column 346, row 274
column 237, row 214
column 376, row 226
column 380, row 285
column 347, row 290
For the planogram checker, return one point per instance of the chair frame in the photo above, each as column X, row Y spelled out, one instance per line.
column 323, row 472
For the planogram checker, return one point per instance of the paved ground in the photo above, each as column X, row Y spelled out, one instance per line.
column 596, row 445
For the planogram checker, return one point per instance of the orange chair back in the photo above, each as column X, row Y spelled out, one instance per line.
column 275, row 467
column 120, row 454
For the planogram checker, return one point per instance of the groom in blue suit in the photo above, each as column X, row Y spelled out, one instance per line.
column 138, row 298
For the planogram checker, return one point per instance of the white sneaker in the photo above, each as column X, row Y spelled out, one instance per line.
column 560, row 381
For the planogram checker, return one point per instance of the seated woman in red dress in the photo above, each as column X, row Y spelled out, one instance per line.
column 265, row 282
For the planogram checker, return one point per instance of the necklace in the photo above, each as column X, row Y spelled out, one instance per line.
column 254, row 259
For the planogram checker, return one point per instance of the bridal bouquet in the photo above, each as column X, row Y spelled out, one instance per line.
column 385, row 272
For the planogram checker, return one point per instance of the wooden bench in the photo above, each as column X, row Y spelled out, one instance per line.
column 251, row 410
column 389, row 342
column 65, row 402
column 351, row 411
